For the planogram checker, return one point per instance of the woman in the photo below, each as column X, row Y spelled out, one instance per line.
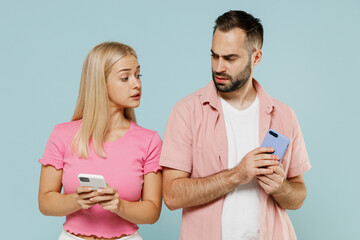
column 103, row 139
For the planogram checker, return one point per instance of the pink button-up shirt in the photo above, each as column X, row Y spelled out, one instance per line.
column 195, row 141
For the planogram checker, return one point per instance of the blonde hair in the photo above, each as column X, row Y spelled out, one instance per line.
column 93, row 102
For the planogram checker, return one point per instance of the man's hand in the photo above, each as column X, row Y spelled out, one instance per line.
column 272, row 183
column 288, row 193
column 257, row 162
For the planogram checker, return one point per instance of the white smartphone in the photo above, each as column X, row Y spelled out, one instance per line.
column 90, row 180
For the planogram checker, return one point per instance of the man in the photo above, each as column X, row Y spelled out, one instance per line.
column 228, row 186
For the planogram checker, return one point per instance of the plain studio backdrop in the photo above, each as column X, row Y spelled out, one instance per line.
column 310, row 62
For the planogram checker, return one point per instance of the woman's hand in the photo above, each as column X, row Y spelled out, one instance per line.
column 83, row 196
column 108, row 198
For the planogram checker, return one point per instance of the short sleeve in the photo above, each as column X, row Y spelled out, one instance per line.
column 151, row 163
column 177, row 146
column 299, row 157
column 54, row 150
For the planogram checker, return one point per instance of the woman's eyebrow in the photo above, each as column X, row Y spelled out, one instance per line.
column 128, row 69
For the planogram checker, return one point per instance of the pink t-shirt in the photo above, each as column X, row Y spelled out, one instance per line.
column 128, row 160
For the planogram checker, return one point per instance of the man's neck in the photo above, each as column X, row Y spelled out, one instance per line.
column 242, row 98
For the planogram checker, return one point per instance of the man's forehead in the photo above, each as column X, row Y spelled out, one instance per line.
column 234, row 35
column 230, row 42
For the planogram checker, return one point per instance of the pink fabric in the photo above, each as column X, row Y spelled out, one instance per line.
column 195, row 141
column 128, row 160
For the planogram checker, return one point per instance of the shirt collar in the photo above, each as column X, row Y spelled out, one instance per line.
column 210, row 96
column 265, row 100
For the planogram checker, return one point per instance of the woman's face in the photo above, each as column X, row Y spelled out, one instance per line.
column 123, row 83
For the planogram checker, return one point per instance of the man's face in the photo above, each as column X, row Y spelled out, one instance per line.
column 230, row 60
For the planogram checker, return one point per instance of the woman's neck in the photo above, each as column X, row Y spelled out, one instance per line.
column 117, row 119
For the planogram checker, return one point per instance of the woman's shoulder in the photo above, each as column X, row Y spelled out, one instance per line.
column 143, row 132
column 67, row 128
column 146, row 139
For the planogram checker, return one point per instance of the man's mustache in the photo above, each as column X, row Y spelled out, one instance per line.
column 222, row 75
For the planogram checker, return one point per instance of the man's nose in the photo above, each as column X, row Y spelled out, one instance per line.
column 220, row 66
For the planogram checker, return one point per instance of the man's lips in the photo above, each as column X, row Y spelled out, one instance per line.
column 221, row 79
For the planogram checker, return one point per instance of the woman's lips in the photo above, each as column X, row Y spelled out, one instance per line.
column 136, row 96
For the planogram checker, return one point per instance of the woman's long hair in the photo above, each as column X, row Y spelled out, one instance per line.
column 93, row 102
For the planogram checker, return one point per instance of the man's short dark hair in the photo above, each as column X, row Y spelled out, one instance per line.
column 240, row 19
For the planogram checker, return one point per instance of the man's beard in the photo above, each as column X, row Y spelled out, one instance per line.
column 235, row 82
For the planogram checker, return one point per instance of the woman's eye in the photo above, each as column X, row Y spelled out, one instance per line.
column 138, row 76
column 124, row 79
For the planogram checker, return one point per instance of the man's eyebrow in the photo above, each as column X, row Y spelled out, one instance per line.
column 231, row 56
column 225, row 56
column 212, row 52
column 128, row 69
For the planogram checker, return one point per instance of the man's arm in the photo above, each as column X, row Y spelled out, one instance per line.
column 291, row 194
column 288, row 193
column 179, row 190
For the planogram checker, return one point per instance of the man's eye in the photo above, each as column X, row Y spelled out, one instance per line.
column 214, row 56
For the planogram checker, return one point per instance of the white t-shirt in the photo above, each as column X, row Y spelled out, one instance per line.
column 241, row 210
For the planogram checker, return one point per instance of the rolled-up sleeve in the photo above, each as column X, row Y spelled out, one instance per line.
column 299, row 157
column 177, row 145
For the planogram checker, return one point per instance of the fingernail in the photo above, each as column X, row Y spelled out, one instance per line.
column 100, row 191
column 89, row 189
column 91, row 199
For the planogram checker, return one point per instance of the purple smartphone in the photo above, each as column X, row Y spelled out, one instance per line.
column 277, row 141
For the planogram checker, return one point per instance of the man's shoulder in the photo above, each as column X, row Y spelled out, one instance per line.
column 269, row 101
column 284, row 110
column 192, row 100
column 280, row 105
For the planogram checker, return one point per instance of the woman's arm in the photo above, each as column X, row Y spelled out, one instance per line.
column 147, row 211
column 52, row 202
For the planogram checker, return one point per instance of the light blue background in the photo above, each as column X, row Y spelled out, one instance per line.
column 310, row 61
